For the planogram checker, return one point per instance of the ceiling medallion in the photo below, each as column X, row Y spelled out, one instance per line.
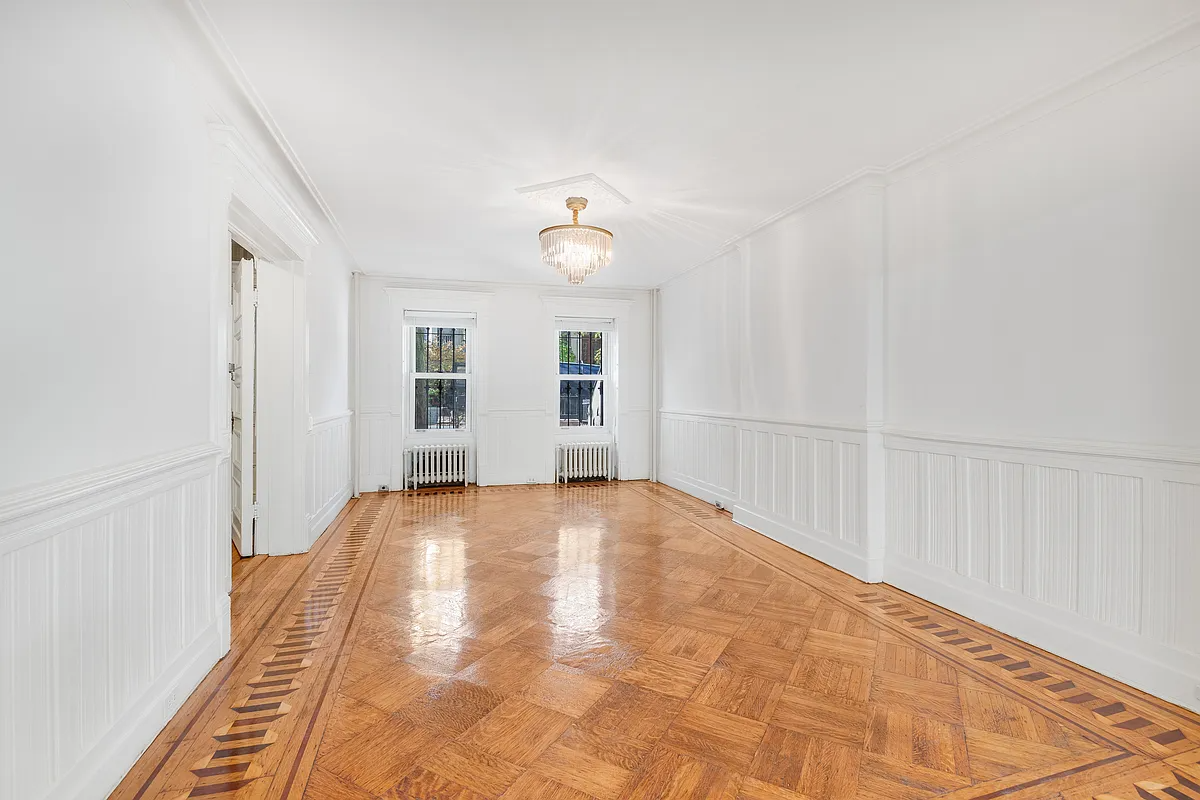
column 575, row 250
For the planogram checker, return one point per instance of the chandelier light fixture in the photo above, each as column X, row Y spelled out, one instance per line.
column 575, row 250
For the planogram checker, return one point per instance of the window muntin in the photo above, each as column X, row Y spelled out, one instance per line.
column 439, row 400
column 581, row 400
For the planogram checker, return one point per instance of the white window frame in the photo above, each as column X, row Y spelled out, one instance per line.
column 605, row 329
column 411, row 377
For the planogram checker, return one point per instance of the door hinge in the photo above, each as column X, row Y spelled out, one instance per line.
column 254, row 298
column 254, row 511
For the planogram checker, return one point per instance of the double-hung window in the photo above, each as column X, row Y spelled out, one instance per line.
column 440, row 375
column 583, row 372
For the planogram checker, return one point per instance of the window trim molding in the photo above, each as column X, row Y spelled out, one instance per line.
column 607, row 338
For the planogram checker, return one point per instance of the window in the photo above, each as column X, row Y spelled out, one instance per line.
column 581, row 399
column 440, row 374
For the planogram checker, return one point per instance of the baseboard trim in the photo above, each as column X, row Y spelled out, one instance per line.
column 700, row 491
column 1124, row 656
column 328, row 513
column 99, row 772
column 827, row 551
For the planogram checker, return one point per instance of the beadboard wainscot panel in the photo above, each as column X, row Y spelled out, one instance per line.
column 1087, row 550
column 111, row 584
column 374, row 449
column 803, row 485
column 515, row 446
column 699, row 455
column 327, row 471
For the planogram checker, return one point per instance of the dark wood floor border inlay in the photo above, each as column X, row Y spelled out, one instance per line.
column 263, row 704
column 1153, row 736
column 235, row 663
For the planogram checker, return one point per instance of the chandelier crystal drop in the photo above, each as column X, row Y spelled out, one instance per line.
column 576, row 251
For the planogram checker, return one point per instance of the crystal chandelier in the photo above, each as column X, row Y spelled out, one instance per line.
column 575, row 250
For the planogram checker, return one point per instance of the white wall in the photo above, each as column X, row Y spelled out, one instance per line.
column 114, row 481
column 1042, row 379
column 515, row 395
column 106, row 328
column 765, row 357
column 328, row 298
column 328, row 472
column 1045, row 284
column 1031, row 325
column 104, row 208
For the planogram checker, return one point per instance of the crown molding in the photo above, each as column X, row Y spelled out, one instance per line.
column 869, row 178
column 1141, row 59
column 230, row 63
column 490, row 287
column 194, row 44
column 255, row 186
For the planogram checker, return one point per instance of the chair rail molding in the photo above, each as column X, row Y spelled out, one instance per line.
column 1166, row 454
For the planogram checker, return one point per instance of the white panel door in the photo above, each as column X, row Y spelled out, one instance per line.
column 242, row 405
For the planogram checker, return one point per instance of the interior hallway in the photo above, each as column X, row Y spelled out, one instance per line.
column 627, row 641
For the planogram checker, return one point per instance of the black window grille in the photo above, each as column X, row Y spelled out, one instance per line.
column 580, row 403
column 440, row 403
column 580, row 353
column 440, row 350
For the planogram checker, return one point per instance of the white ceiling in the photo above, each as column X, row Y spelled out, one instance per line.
column 418, row 119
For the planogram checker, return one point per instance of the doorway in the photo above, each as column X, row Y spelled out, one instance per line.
column 243, row 400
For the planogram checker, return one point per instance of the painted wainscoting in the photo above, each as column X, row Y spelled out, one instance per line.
column 515, row 446
column 328, row 479
column 698, row 455
column 1092, row 552
column 802, row 485
column 374, row 450
column 111, row 586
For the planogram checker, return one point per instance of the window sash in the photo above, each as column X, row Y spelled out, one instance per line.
column 434, row 346
column 602, row 339
column 453, row 403
column 571, row 419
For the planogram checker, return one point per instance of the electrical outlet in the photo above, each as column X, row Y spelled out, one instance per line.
column 531, row 480
column 171, row 702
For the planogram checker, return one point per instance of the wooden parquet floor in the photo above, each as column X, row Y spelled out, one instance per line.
column 626, row 641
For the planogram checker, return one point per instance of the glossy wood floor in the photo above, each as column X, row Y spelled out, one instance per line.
column 626, row 641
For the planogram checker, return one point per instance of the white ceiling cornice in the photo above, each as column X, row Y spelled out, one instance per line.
column 1145, row 57
column 230, row 63
column 1142, row 58
column 194, row 43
